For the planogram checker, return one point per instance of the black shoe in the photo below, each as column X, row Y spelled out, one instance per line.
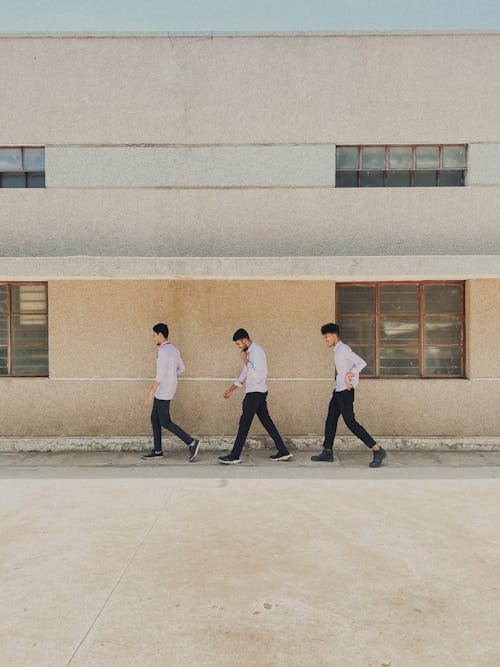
column 229, row 459
column 152, row 455
column 326, row 455
column 378, row 457
column 193, row 449
column 281, row 456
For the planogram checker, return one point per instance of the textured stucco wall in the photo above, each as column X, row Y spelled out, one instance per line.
column 101, row 357
column 483, row 164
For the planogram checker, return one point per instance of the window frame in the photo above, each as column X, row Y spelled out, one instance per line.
column 23, row 169
column 9, row 313
column 421, row 330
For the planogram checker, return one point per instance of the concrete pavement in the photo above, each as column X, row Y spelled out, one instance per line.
column 109, row 560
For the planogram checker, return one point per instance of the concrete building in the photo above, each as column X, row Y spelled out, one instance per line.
column 266, row 181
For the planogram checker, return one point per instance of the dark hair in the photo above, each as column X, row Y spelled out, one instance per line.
column 240, row 334
column 161, row 328
column 330, row 328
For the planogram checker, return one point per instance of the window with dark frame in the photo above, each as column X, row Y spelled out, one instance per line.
column 400, row 166
column 22, row 167
column 23, row 330
column 414, row 330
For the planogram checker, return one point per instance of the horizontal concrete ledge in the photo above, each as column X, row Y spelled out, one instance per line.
column 221, row 443
column 399, row 267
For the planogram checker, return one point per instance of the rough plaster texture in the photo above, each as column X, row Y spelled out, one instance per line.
column 483, row 299
column 200, row 166
column 295, row 89
column 250, row 222
column 483, row 164
column 101, row 355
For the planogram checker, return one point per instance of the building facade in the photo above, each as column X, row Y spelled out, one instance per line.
column 267, row 182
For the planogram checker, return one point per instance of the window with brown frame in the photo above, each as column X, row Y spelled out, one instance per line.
column 22, row 167
column 414, row 330
column 400, row 166
column 23, row 330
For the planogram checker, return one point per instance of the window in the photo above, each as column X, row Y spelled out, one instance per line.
column 400, row 166
column 22, row 167
column 23, row 329
column 404, row 330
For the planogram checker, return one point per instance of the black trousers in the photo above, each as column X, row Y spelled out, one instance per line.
column 160, row 416
column 342, row 403
column 255, row 403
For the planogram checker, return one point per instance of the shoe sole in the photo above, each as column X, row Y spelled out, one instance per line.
column 370, row 465
column 287, row 457
column 150, row 458
column 192, row 458
column 229, row 463
column 322, row 460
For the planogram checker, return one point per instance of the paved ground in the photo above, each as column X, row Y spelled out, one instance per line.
column 108, row 560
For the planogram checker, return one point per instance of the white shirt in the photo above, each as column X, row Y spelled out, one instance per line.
column 346, row 361
column 168, row 366
column 254, row 374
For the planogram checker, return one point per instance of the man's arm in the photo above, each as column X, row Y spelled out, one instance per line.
column 149, row 398
column 357, row 365
column 237, row 383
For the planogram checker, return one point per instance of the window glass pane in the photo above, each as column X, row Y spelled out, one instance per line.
column 403, row 330
column 30, row 361
column 356, row 299
column 10, row 159
column 443, row 299
column 398, row 179
column 3, row 298
column 425, row 179
column 371, row 179
column 29, row 298
column 357, row 330
column 450, row 179
column 14, row 180
column 29, row 329
column 427, row 157
column 373, row 157
column 3, row 361
column 399, row 298
column 346, row 179
column 398, row 360
column 4, row 330
column 34, row 159
column 347, row 157
column 35, row 180
column 442, row 361
column 368, row 354
column 400, row 157
column 453, row 156
column 443, row 330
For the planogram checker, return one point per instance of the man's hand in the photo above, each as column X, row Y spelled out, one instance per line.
column 229, row 391
column 348, row 377
column 244, row 357
column 148, row 401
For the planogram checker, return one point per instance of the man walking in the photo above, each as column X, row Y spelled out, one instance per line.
column 253, row 375
column 168, row 366
column 348, row 366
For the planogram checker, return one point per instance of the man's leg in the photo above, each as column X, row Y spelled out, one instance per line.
column 250, row 406
column 163, row 411
column 332, row 419
column 155, row 423
column 346, row 404
column 268, row 424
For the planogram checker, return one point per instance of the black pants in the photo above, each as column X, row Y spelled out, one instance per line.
column 255, row 403
column 342, row 403
column 160, row 416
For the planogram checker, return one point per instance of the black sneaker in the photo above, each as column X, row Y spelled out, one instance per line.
column 193, row 449
column 152, row 455
column 280, row 456
column 378, row 457
column 229, row 459
column 326, row 455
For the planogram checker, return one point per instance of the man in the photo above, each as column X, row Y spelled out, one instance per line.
column 253, row 375
column 348, row 366
column 168, row 366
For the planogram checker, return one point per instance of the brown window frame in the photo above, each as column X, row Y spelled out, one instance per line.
column 411, row 171
column 421, row 315
column 9, row 314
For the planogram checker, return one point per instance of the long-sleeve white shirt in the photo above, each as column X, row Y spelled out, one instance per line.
column 168, row 366
column 254, row 374
column 346, row 361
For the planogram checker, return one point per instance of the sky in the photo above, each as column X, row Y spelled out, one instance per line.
column 246, row 15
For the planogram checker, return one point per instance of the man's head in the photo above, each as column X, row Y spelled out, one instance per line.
column 160, row 333
column 331, row 333
column 242, row 339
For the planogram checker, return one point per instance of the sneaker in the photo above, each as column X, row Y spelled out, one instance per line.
column 378, row 457
column 326, row 455
column 229, row 459
column 152, row 455
column 279, row 456
column 193, row 449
